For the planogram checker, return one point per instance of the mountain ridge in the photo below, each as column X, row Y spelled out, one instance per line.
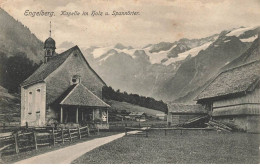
column 165, row 70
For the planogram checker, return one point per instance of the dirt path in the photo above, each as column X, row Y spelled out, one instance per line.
column 68, row 154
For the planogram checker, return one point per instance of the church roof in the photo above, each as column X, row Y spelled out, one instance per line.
column 236, row 80
column 79, row 95
column 47, row 68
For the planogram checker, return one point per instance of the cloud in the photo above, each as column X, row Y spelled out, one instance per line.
column 66, row 44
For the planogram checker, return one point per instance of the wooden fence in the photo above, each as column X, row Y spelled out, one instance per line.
column 138, row 124
column 145, row 130
column 33, row 138
column 142, row 131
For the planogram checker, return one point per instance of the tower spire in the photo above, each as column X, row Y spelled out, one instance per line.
column 49, row 47
column 50, row 28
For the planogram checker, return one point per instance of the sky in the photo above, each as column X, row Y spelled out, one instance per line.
column 157, row 21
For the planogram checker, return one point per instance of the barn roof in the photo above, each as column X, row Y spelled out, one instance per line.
column 186, row 108
column 236, row 80
column 47, row 68
column 79, row 95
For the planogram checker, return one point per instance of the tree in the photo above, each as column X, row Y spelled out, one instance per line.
column 15, row 70
column 148, row 102
column 3, row 60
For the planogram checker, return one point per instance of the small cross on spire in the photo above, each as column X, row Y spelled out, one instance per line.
column 50, row 28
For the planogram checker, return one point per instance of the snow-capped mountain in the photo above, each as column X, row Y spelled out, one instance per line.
column 164, row 53
column 193, row 74
column 169, row 70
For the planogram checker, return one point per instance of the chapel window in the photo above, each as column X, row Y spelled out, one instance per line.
column 30, row 103
column 48, row 52
column 37, row 101
column 75, row 79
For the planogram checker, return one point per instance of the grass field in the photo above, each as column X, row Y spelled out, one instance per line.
column 192, row 147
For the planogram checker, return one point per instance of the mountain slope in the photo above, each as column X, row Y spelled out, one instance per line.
column 251, row 54
column 142, row 70
column 198, row 70
column 169, row 70
column 15, row 38
column 9, row 107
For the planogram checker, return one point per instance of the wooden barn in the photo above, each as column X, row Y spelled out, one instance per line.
column 64, row 89
column 181, row 113
column 233, row 97
column 138, row 116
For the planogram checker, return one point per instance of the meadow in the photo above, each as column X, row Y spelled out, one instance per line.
column 192, row 147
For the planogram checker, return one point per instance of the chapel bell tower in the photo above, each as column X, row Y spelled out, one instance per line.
column 49, row 47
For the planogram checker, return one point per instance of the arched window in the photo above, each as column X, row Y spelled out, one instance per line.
column 48, row 52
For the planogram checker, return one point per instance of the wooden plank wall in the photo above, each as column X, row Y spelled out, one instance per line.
column 253, row 97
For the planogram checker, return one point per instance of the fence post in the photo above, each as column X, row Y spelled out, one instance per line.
column 79, row 133
column 125, row 131
column 70, row 135
column 35, row 140
column 97, row 131
column 181, row 131
column 1, row 161
column 88, row 131
column 16, row 143
column 62, row 136
column 165, row 133
column 53, row 136
column 146, row 133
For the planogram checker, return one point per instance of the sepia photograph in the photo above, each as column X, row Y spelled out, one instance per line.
column 129, row 82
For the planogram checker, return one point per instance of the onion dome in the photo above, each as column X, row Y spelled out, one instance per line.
column 49, row 43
